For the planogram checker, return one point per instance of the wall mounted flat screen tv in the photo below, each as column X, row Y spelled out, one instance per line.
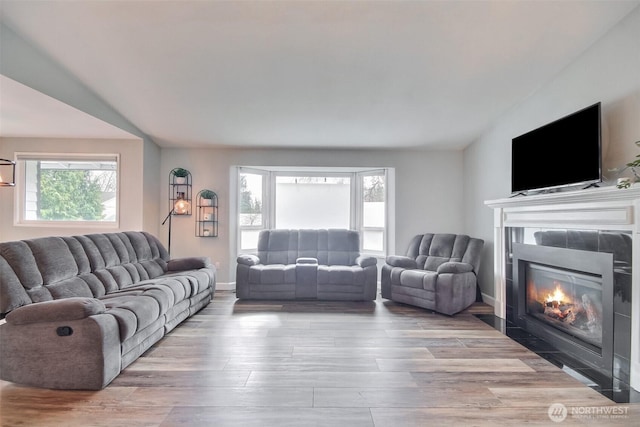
column 563, row 153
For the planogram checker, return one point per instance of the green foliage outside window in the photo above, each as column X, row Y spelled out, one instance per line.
column 374, row 188
column 248, row 202
column 69, row 195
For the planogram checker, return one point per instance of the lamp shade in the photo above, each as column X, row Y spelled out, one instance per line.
column 7, row 173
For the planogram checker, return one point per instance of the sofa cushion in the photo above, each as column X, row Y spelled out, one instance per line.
column 21, row 260
column 78, row 253
column 272, row 274
column 106, row 250
column 341, row 274
column 179, row 290
column 432, row 263
column 194, row 281
column 278, row 247
column 68, row 288
column 54, row 259
column 333, row 246
column 134, row 312
column 442, row 245
column 11, row 290
column 163, row 295
column 419, row 279
column 344, row 247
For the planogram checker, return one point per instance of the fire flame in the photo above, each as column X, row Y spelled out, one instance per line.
column 557, row 295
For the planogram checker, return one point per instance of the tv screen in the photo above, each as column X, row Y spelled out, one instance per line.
column 562, row 153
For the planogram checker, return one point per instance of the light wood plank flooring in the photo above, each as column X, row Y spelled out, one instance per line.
column 325, row 364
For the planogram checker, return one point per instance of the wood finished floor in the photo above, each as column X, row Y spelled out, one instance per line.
column 323, row 364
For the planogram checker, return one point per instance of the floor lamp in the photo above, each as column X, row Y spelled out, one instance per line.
column 180, row 207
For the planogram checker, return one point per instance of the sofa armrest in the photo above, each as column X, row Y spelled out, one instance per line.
column 455, row 267
column 65, row 309
column 365, row 261
column 248, row 259
column 188, row 263
column 401, row 261
column 307, row 260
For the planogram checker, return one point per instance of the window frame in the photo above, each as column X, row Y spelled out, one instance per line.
column 266, row 206
column 360, row 212
column 19, row 217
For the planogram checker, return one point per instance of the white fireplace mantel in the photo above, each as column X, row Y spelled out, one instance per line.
column 604, row 208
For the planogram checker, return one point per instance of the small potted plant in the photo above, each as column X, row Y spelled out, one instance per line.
column 206, row 196
column 181, row 175
column 634, row 166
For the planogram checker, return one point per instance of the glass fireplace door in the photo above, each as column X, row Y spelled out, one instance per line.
column 566, row 300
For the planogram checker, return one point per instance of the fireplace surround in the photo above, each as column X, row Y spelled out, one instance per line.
column 603, row 220
column 565, row 296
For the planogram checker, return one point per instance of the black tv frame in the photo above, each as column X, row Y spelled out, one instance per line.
column 557, row 126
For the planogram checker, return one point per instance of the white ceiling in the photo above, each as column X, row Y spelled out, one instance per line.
column 313, row 73
column 25, row 112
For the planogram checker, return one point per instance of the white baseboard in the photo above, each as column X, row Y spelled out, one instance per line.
column 489, row 300
column 225, row 286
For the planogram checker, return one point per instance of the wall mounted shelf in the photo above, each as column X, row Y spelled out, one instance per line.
column 206, row 214
column 180, row 188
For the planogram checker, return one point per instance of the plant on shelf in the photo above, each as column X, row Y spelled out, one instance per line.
column 634, row 166
column 181, row 175
column 206, row 196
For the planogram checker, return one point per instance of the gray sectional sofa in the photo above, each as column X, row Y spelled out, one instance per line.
column 80, row 309
column 438, row 272
column 307, row 264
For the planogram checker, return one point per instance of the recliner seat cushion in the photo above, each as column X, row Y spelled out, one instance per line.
column 418, row 279
column 272, row 274
column 133, row 312
column 341, row 274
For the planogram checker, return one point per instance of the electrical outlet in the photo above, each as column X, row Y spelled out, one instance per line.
column 217, row 264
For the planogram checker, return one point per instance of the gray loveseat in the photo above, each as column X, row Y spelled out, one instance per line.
column 438, row 273
column 307, row 264
column 80, row 309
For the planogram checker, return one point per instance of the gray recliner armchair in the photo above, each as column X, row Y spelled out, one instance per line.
column 438, row 273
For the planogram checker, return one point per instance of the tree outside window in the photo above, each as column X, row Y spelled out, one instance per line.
column 78, row 190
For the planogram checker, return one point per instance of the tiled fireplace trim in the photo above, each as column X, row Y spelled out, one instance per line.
column 606, row 208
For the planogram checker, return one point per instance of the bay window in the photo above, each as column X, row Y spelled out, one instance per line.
column 298, row 198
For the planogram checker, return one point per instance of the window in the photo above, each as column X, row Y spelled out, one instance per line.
column 313, row 201
column 372, row 224
column 67, row 189
column 251, row 219
column 314, row 198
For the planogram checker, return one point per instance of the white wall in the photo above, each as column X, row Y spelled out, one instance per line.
column 131, row 184
column 26, row 64
column 608, row 72
column 428, row 191
column 152, row 187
